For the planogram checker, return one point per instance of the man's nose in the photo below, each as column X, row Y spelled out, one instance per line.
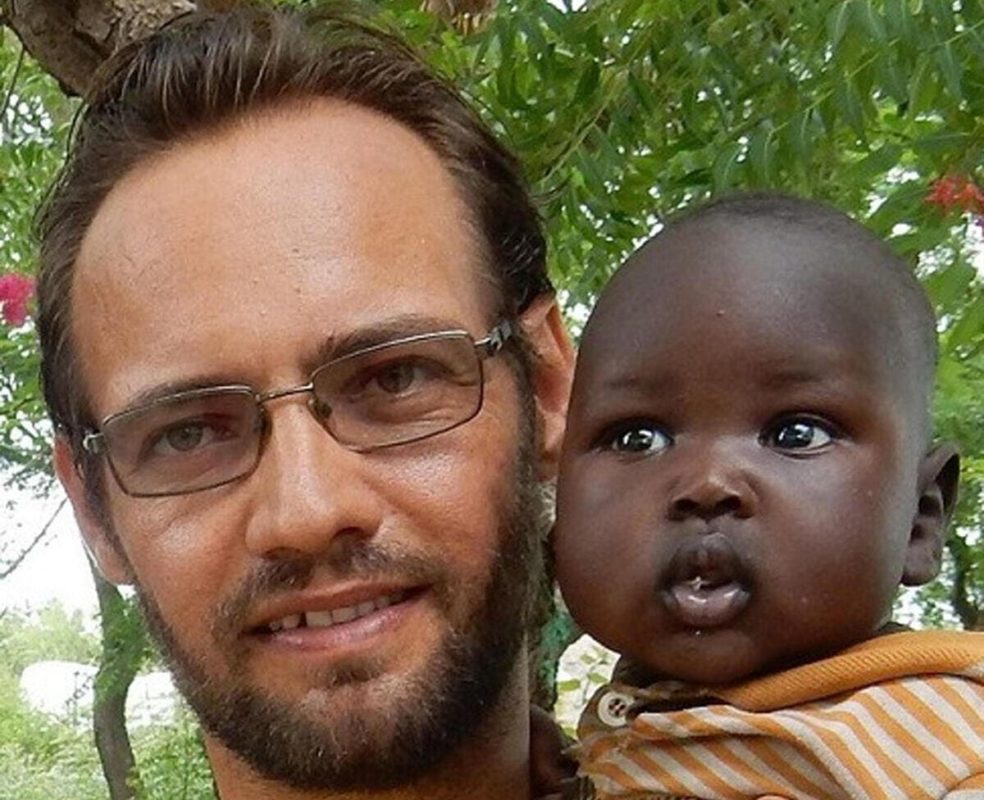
column 713, row 481
column 310, row 494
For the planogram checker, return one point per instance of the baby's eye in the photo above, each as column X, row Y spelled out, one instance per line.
column 800, row 434
column 638, row 437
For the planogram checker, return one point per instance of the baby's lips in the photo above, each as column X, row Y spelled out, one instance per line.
column 706, row 588
column 710, row 556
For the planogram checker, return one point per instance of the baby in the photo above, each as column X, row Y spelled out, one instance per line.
column 748, row 477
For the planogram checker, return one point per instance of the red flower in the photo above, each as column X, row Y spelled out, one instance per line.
column 15, row 291
column 943, row 193
column 956, row 191
column 970, row 198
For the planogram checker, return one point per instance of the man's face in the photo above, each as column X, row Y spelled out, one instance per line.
column 741, row 457
column 244, row 258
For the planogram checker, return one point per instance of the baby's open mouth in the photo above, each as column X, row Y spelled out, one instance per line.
column 706, row 587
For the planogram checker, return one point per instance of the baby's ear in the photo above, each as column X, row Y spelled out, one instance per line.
column 939, row 475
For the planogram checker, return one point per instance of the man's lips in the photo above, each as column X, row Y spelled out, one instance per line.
column 706, row 585
column 337, row 616
column 325, row 610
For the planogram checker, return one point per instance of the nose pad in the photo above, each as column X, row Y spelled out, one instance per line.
column 320, row 410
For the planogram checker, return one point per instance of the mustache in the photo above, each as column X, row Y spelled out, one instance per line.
column 362, row 560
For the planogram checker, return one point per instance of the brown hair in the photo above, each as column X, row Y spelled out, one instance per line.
column 207, row 69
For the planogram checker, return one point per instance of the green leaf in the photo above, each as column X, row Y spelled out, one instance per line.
column 923, row 87
column 642, row 92
column 953, row 145
column 849, row 107
column 969, row 329
column 588, row 84
column 877, row 162
column 892, row 78
column 943, row 14
column 760, row 153
column 948, row 286
column 902, row 205
column 837, row 22
column 725, row 166
column 899, row 19
column 951, row 69
column 868, row 18
column 915, row 242
column 800, row 135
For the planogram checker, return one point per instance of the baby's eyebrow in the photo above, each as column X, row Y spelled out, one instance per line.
column 785, row 378
column 641, row 380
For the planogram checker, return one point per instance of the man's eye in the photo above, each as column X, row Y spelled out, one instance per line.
column 187, row 437
column 638, row 438
column 401, row 376
column 396, row 378
column 802, row 435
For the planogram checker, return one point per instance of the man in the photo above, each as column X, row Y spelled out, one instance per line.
column 306, row 371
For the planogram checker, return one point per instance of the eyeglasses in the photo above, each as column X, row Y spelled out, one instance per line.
column 381, row 396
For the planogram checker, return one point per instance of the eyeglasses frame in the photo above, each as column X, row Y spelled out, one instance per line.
column 94, row 439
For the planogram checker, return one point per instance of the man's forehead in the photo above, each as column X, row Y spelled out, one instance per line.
column 257, row 162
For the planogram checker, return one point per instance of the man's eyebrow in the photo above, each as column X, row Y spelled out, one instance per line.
column 381, row 332
column 161, row 391
column 330, row 348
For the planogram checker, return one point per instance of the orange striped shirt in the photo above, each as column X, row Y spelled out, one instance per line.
column 899, row 717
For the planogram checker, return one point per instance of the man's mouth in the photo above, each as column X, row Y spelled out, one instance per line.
column 706, row 586
column 337, row 616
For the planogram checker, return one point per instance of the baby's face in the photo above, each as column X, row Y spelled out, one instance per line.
column 739, row 478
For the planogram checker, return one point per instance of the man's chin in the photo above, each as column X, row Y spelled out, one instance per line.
column 361, row 735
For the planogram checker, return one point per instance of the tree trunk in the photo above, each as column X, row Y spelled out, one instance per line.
column 71, row 38
column 468, row 16
column 961, row 595
column 123, row 649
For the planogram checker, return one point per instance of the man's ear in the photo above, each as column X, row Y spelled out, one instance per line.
column 552, row 370
column 939, row 475
column 96, row 535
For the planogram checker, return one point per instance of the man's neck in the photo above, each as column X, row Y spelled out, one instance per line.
column 492, row 764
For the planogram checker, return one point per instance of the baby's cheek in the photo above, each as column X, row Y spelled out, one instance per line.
column 590, row 549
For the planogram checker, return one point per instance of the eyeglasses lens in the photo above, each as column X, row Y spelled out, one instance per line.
column 186, row 444
column 401, row 392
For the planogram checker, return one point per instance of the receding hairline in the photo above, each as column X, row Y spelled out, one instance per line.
column 218, row 133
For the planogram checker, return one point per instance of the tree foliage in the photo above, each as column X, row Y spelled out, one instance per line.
column 625, row 112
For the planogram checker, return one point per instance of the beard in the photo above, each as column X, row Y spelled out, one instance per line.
column 397, row 728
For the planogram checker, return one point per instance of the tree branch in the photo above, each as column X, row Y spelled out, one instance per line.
column 10, row 91
column 9, row 568
column 71, row 40
column 965, row 608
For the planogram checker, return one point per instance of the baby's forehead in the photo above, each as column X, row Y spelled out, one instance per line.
column 770, row 295
column 769, row 268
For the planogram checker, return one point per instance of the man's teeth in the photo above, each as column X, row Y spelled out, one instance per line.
column 325, row 619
